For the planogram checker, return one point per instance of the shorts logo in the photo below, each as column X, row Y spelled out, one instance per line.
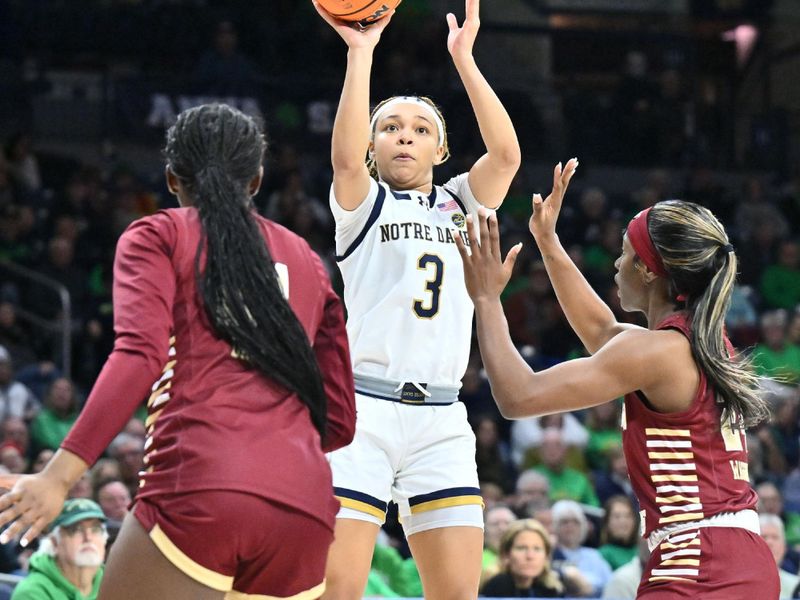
column 458, row 220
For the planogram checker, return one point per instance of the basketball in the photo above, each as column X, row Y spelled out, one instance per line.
column 364, row 11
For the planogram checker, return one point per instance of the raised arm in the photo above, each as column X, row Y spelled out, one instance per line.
column 590, row 317
column 621, row 366
column 491, row 175
column 351, row 133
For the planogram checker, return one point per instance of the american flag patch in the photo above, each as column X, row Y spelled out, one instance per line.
column 449, row 205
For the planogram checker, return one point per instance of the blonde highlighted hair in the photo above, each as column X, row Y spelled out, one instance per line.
column 702, row 265
column 370, row 160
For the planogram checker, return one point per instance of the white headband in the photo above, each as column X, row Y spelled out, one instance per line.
column 410, row 100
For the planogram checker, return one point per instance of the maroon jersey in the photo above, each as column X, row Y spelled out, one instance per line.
column 214, row 422
column 684, row 466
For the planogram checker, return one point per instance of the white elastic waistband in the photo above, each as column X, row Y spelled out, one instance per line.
column 743, row 519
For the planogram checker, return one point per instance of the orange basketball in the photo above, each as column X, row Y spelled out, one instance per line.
column 365, row 11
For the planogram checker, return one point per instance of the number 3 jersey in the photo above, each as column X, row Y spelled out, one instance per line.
column 409, row 315
column 684, row 466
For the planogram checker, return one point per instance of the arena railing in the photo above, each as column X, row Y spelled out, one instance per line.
column 62, row 325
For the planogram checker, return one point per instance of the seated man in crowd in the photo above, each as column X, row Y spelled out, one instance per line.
column 69, row 562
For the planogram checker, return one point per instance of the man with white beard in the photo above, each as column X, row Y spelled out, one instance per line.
column 69, row 562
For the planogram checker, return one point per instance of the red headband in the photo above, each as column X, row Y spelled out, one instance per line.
column 639, row 237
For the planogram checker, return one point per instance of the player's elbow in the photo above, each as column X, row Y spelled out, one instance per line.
column 507, row 159
column 510, row 407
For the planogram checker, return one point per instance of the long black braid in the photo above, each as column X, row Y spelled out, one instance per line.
column 216, row 151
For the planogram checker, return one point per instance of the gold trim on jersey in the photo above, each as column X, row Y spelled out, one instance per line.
column 159, row 396
column 679, row 558
column 682, row 517
column 311, row 594
column 446, row 503
column 667, row 432
column 362, row 507
column 207, row 577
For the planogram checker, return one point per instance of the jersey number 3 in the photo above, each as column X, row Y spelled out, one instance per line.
column 429, row 309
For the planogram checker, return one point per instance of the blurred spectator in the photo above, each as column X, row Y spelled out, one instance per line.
column 105, row 469
column 791, row 491
column 775, row 356
column 599, row 256
column 15, row 430
column 391, row 575
column 757, row 253
column 533, row 310
column 114, row 498
column 491, row 493
column 496, row 522
column 51, row 425
column 772, row 532
column 770, row 502
column 624, row 582
column 23, row 164
column 793, row 334
column 741, row 320
column 532, row 493
column 571, row 528
column 476, row 394
column 527, row 436
column 69, row 562
column 492, row 454
column 603, row 424
column 12, row 457
column 756, row 209
column 565, row 482
column 128, row 451
column 525, row 554
column 41, row 460
column 618, row 533
column 16, row 400
column 780, row 283
column 82, row 487
column 223, row 71
column 14, row 337
column 59, row 266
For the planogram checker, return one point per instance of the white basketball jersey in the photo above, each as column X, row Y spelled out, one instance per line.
column 409, row 315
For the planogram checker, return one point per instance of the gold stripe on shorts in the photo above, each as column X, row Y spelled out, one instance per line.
column 311, row 594
column 207, row 577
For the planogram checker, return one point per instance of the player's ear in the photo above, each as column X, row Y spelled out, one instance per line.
column 172, row 181
column 438, row 158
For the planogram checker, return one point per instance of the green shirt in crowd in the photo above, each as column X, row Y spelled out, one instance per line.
column 569, row 484
column 616, row 555
column 48, row 430
column 783, row 364
column 46, row 582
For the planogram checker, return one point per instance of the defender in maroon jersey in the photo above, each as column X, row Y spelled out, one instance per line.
column 229, row 324
column 687, row 400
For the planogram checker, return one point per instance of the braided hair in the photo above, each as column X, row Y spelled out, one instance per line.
column 216, row 151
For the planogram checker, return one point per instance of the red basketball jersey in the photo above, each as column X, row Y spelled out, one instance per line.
column 213, row 421
column 684, row 466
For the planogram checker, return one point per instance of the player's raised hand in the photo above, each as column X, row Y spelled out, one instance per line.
column 485, row 273
column 31, row 504
column 354, row 35
column 461, row 39
column 545, row 212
